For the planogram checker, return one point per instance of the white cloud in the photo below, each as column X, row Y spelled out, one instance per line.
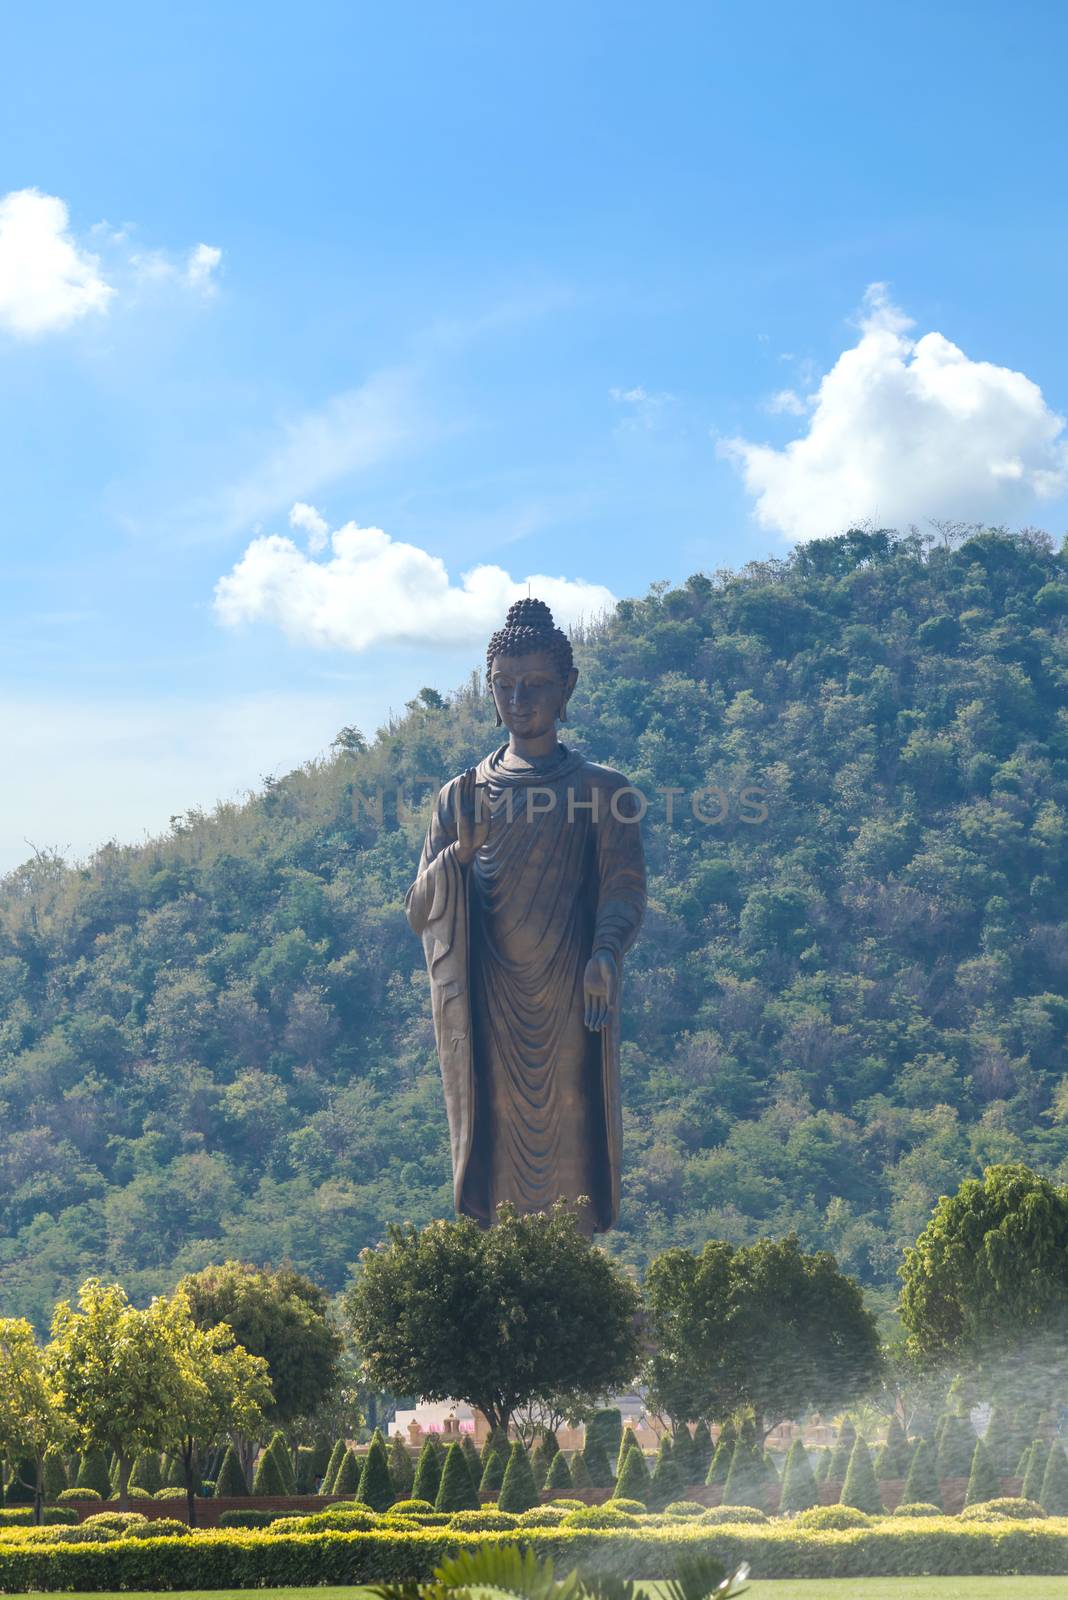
column 376, row 590
column 643, row 409
column 312, row 522
column 200, row 267
column 788, row 401
column 904, row 429
column 47, row 281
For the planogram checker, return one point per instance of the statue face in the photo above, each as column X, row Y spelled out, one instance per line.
column 528, row 692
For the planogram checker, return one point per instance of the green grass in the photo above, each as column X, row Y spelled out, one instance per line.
column 908, row 1589
column 780, row 1589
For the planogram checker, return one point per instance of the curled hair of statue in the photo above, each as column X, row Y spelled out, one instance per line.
column 529, row 626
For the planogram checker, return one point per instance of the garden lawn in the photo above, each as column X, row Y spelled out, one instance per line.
column 902, row 1589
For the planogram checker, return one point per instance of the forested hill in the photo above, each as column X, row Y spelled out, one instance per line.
column 220, row 1044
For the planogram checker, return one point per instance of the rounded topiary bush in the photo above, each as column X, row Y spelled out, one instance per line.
column 834, row 1517
column 485, row 1521
column 541, row 1517
column 1005, row 1509
column 65, row 1495
column 245, row 1519
column 599, row 1517
column 719, row 1515
column 637, row 1508
column 411, row 1508
column 169, row 1493
column 683, row 1510
column 121, row 1520
column 343, row 1519
column 162, row 1528
column 82, row 1534
column 920, row 1508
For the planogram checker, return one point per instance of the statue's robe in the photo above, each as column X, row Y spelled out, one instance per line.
column 532, row 1095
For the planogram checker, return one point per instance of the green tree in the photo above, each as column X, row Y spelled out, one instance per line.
column 337, row 1456
column 987, row 1280
column 893, row 1459
column 518, row 1492
column 746, row 1479
column 31, row 1420
column 456, row 1492
column 1053, row 1495
column 116, row 1375
column 55, row 1478
column 93, row 1473
column 401, row 1467
column 347, row 1478
column 283, row 1317
column 279, row 1448
column 427, row 1474
column 528, row 1310
column 628, row 1442
column 493, row 1474
column 860, row 1488
column 231, row 1482
column 921, row 1485
column 720, row 1465
column 840, row 1455
column 809, row 1342
column 268, row 1479
column 799, row 1487
column 376, row 1486
column 956, row 1447
column 633, row 1481
column 558, row 1479
column 1035, row 1472
column 1002, row 1441
column 983, row 1480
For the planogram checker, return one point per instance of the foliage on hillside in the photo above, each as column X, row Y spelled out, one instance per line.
column 219, row 1044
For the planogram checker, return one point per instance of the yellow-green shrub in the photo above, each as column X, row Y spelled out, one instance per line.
column 1004, row 1509
column 837, row 1517
column 717, row 1515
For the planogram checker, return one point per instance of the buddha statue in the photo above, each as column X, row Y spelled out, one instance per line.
column 530, row 889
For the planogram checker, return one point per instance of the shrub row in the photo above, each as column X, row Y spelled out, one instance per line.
column 234, row 1560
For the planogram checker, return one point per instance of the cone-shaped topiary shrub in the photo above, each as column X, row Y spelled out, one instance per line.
column 347, row 1478
column 1001, row 1440
column 21, row 1485
column 702, row 1452
column 497, row 1439
column 231, row 1482
column 598, row 1466
column 559, row 1478
column 1036, row 1470
column 427, row 1478
column 983, row 1482
column 605, row 1430
column 145, row 1474
column 921, row 1483
column 860, row 1489
column 633, row 1481
column 472, row 1457
column 174, row 1472
column 720, row 1465
column 893, row 1458
column 665, row 1484
column 821, row 1463
column 956, row 1447
column 456, row 1492
column 745, row 1485
column 376, row 1486
column 1054, row 1495
column 682, row 1454
column 337, row 1456
column 580, row 1478
column 402, row 1467
column 629, row 1441
column 799, row 1487
column 267, row 1478
column 843, row 1449
column 284, row 1459
column 93, row 1473
column 492, row 1474
column 55, row 1474
column 517, row 1490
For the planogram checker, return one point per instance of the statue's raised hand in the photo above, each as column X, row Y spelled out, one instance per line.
column 472, row 822
column 599, row 985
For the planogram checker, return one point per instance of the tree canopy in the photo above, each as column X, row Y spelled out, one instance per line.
column 528, row 1310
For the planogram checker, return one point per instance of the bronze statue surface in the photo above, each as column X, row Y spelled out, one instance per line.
column 531, row 887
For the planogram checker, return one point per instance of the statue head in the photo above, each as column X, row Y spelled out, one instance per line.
column 530, row 670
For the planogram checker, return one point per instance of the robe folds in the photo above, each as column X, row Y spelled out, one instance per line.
column 532, row 1096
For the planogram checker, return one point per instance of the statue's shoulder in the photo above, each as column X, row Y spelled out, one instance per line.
column 604, row 778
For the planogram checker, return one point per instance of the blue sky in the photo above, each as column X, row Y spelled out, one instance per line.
column 529, row 288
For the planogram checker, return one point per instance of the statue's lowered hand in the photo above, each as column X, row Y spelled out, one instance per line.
column 599, row 989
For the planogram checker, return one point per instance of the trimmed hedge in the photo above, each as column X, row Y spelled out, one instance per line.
column 234, row 1560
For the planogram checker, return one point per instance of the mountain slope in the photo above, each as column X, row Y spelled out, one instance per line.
column 220, row 1043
